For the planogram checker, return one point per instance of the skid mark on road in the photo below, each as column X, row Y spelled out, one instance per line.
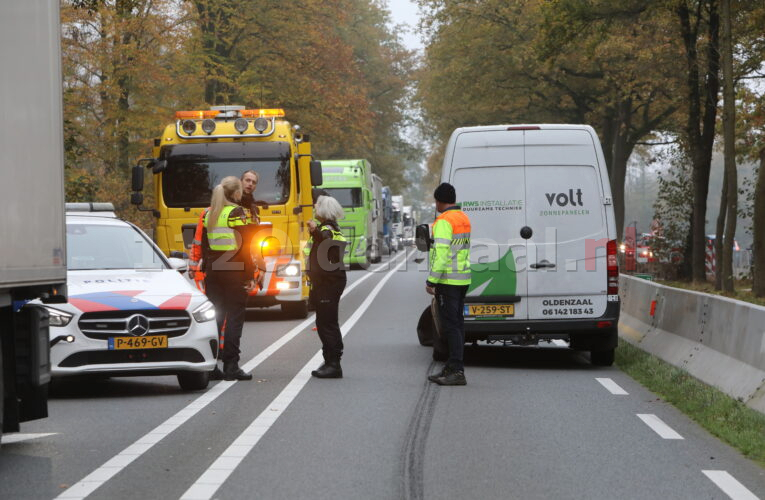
column 413, row 453
column 98, row 477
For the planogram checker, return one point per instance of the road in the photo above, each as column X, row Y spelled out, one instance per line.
column 531, row 423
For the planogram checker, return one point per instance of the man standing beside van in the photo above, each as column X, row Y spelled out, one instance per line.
column 449, row 279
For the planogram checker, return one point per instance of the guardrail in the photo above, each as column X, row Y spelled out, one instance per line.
column 718, row 340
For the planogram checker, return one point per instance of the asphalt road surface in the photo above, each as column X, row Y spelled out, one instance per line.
column 531, row 423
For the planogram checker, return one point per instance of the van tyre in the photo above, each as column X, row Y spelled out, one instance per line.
column 297, row 309
column 602, row 358
column 193, row 381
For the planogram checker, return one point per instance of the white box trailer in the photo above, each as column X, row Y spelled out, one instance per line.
column 543, row 238
column 32, row 249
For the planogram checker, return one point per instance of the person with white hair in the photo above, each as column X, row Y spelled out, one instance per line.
column 327, row 274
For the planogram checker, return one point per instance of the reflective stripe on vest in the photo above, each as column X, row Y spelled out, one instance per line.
column 336, row 236
column 450, row 254
column 222, row 237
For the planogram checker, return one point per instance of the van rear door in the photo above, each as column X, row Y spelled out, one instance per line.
column 488, row 173
column 567, row 274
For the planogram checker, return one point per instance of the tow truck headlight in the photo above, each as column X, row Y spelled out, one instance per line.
column 205, row 312
column 58, row 318
column 240, row 124
column 189, row 126
column 622, row 248
column 289, row 270
column 261, row 124
column 208, row 126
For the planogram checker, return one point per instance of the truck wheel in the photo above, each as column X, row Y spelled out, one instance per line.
column 193, row 381
column 297, row 309
column 602, row 358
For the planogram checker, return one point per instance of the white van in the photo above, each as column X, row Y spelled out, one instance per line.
column 543, row 240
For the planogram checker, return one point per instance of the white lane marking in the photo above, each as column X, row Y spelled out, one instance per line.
column 17, row 438
column 729, row 485
column 98, row 477
column 209, row 482
column 612, row 386
column 659, row 426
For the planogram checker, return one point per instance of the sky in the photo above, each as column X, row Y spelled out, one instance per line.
column 405, row 12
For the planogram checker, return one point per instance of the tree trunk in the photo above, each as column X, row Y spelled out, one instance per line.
column 758, row 259
column 719, row 231
column 729, row 134
column 700, row 129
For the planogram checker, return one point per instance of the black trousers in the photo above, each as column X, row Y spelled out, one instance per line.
column 327, row 300
column 225, row 289
column 451, row 309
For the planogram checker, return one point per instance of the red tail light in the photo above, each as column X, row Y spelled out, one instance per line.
column 613, row 268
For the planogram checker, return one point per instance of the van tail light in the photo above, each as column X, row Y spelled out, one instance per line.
column 612, row 265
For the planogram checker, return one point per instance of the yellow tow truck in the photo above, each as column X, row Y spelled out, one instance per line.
column 200, row 148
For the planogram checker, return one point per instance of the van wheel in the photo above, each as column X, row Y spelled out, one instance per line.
column 602, row 358
column 297, row 309
column 425, row 328
column 193, row 381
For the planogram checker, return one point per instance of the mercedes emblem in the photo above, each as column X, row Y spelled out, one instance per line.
column 138, row 325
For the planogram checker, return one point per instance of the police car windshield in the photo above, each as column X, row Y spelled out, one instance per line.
column 347, row 197
column 99, row 246
column 189, row 183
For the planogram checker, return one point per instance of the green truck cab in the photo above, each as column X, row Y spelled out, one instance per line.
column 350, row 183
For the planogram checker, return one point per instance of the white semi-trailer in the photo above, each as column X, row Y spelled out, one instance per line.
column 32, row 247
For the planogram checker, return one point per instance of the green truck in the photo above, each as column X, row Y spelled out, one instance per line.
column 350, row 183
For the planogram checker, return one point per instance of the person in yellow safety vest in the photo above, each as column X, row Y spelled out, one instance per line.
column 327, row 273
column 449, row 279
column 249, row 184
column 229, row 268
column 315, row 193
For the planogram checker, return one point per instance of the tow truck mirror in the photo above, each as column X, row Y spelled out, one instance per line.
column 158, row 166
column 136, row 198
column 137, row 180
column 317, row 179
column 422, row 238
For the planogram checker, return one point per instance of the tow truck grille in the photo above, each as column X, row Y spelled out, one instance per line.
column 105, row 324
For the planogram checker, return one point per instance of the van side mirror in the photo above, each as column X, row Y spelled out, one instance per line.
column 137, row 180
column 422, row 238
column 317, row 179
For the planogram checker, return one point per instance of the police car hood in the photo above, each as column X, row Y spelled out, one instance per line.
column 112, row 290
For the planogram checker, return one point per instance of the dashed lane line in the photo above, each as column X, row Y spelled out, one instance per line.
column 108, row 470
column 612, row 386
column 729, row 485
column 658, row 426
column 211, row 480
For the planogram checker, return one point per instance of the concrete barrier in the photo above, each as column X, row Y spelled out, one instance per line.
column 718, row 340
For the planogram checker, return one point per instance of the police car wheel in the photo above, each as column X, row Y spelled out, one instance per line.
column 193, row 381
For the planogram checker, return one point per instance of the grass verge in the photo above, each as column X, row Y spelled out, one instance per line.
column 730, row 420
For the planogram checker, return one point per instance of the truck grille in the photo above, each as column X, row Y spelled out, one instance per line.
column 348, row 232
column 105, row 324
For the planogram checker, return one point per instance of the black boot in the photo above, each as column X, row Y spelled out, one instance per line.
column 231, row 371
column 216, row 374
column 329, row 369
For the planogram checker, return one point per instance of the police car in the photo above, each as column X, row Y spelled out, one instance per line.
column 130, row 310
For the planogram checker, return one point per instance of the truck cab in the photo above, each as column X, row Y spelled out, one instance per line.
column 200, row 148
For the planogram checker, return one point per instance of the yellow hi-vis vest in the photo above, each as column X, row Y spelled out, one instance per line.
column 222, row 237
column 450, row 254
